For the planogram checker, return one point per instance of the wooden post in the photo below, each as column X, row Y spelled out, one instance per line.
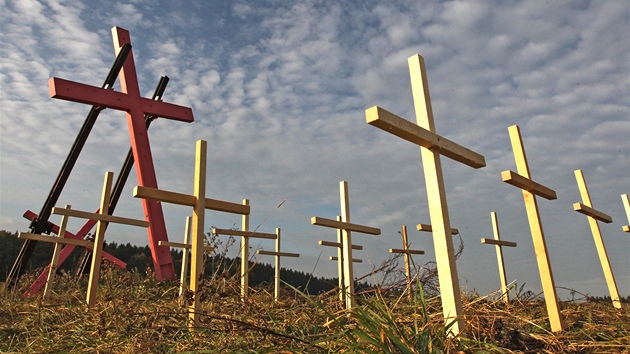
column 54, row 263
column 97, row 246
column 277, row 254
column 185, row 257
column 245, row 235
column 407, row 254
column 531, row 189
column 499, row 244
column 423, row 134
column 626, row 205
column 346, row 243
column 586, row 208
column 199, row 203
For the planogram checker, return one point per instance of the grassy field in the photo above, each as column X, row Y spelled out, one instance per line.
column 136, row 314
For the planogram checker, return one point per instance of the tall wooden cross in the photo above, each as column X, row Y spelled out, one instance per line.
column 499, row 246
column 135, row 106
column 433, row 145
column 593, row 215
column 531, row 189
column 277, row 254
column 199, row 203
column 339, row 259
column 407, row 254
column 346, row 228
column 97, row 246
column 626, row 206
column 245, row 235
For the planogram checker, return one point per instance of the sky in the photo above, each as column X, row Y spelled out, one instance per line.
column 279, row 89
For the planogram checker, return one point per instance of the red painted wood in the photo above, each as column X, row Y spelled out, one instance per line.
column 65, row 252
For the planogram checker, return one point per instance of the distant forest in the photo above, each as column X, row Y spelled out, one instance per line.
column 138, row 259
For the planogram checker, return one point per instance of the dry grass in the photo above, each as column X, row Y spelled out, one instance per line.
column 136, row 314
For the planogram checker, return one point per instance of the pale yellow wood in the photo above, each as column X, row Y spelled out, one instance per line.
column 401, row 250
column 626, row 205
column 99, row 238
column 354, row 260
column 183, row 277
column 245, row 255
column 340, row 265
column 99, row 216
column 538, row 237
column 499, row 249
column 404, row 129
column 428, row 228
column 593, row 216
column 346, row 241
column 498, row 242
column 315, row 220
column 438, row 209
column 243, row 233
column 185, row 246
column 588, row 211
column 52, row 239
column 52, row 270
column 281, row 254
column 338, row 244
column 197, row 235
column 189, row 200
column 521, row 182
column 277, row 253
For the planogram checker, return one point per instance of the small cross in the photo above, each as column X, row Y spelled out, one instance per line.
column 277, row 254
column 499, row 244
column 199, row 203
column 103, row 219
column 245, row 235
column 346, row 240
column 407, row 254
column 135, row 106
column 531, row 189
column 433, row 146
column 626, row 205
column 586, row 208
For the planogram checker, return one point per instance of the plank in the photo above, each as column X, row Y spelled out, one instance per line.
column 354, row 260
column 498, row 242
column 53, row 239
column 315, row 220
column 338, row 244
column 525, row 183
column 400, row 250
column 588, row 211
column 428, row 228
column 241, row 233
column 280, row 254
column 100, row 217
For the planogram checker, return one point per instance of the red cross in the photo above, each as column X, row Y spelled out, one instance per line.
column 130, row 101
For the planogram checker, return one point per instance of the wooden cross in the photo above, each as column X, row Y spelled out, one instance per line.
column 135, row 106
column 531, row 189
column 407, row 254
column 54, row 263
column 433, row 145
column 626, row 205
column 199, row 203
column 277, row 254
column 245, row 236
column 339, row 259
column 499, row 244
column 103, row 220
column 346, row 240
column 586, row 208
column 186, row 246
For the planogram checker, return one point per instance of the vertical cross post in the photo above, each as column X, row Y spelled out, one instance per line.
column 97, row 246
column 54, row 263
column 423, row 134
column 407, row 254
column 530, row 190
column 586, row 208
column 626, row 206
column 499, row 244
column 245, row 236
column 277, row 254
column 199, row 203
column 346, row 243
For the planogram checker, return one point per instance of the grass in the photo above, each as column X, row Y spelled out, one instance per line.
column 136, row 314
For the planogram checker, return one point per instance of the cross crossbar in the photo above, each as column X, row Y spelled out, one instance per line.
column 402, row 128
column 498, row 242
column 524, row 183
column 338, row 244
column 242, row 233
column 274, row 253
column 183, row 245
column 344, row 226
column 65, row 241
column 588, row 211
column 428, row 228
column 189, row 200
column 101, row 217
column 407, row 251
column 354, row 260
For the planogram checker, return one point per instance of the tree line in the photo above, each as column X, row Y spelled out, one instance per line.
column 138, row 259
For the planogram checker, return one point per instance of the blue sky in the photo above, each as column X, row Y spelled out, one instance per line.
column 279, row 90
